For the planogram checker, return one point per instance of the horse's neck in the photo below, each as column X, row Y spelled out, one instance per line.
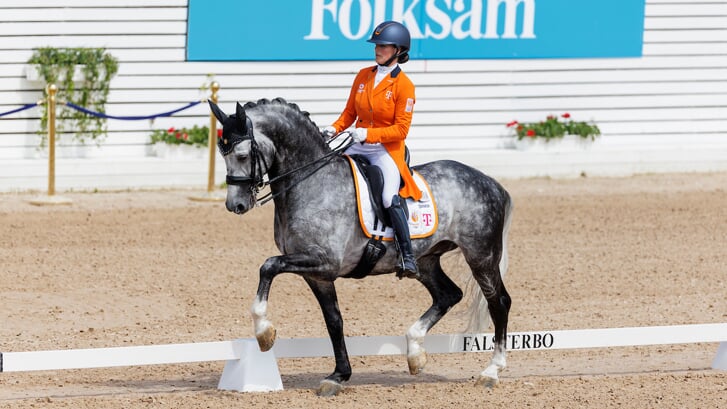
column 311, row 189
column 299, row 157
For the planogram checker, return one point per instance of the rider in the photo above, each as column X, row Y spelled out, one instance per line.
column 380, row 107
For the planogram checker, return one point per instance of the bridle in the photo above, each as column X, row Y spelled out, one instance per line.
column 255, row 179
column 259, row 166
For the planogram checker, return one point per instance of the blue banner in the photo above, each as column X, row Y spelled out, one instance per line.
column 285, row 30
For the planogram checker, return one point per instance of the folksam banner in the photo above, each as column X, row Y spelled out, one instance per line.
column 285, row 30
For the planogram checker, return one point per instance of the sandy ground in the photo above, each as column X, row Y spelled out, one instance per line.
column 139, row 268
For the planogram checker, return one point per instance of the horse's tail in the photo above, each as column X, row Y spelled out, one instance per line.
column 477, row 310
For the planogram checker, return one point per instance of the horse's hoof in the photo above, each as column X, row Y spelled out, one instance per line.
column 417, row 362
column 329, row 388
column 488, row 378
column 486, row 381
column 266, row 339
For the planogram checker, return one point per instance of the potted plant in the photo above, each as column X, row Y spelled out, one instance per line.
column 552, row 131
column 83, row 76
column 182, row 142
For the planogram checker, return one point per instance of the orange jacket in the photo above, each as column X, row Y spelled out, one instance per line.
column 386, row 111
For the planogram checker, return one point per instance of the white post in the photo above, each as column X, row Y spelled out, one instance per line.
column 255, row 371
column 720, row 360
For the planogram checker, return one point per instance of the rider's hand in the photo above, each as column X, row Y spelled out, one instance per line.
column 328, row 132
column 359, row 134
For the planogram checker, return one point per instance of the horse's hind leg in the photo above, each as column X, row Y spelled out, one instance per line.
column 498, row 303
column 445, row 294
column 489, row 264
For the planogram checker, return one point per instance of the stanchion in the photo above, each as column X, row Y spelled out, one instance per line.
column 211, row 195
column 51, row 198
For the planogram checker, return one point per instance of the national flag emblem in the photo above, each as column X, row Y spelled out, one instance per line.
column 409, row 104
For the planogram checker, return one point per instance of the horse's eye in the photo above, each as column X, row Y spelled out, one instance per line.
column 242, row 156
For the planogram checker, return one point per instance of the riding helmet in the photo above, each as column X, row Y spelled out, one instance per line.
column 393, row 32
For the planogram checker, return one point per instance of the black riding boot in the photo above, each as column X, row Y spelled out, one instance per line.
column 408, row 267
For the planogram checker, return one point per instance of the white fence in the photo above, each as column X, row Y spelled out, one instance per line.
column 249, row 370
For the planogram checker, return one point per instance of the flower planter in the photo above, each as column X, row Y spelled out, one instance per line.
column 566, row 143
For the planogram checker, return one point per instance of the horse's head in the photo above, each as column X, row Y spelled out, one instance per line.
column 248, row 155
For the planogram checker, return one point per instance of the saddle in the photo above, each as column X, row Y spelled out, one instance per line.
column 369, row 182
column 374, row 178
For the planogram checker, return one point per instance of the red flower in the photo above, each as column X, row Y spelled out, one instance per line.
column 219, row 133
column 531, row 133
column 185, row 136
column 551, row 117
column 519, row 127
column 177, row 135
column 511, row 124
column 566, row 115
column 171, row 130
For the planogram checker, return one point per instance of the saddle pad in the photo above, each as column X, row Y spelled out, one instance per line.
column 422, row 213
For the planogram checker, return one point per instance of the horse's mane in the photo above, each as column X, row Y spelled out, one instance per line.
column 287, row 112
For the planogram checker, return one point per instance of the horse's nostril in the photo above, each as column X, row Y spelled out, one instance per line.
column 239, row 209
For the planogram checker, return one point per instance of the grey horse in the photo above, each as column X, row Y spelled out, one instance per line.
column 320, row 239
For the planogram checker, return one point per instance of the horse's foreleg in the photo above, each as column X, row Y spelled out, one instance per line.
column 303, row 264
column 445, row 294
column 325, row 293
column 264, row 329
column 498, row 303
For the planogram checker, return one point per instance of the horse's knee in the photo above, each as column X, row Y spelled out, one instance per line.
column 269, row 268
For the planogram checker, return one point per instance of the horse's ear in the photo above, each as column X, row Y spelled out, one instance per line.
column 221, row 116
column 241, row 116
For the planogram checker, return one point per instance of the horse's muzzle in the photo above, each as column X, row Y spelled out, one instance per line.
column 239, row 200
column 238, row 208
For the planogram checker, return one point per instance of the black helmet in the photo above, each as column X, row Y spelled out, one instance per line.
column 394, row 33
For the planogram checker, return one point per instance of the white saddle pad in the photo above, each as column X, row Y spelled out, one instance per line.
column 422, row 213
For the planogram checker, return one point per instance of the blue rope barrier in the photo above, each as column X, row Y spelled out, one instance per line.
column 129, row 118
column 23, row 108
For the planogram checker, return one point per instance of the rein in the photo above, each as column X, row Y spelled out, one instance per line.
column 258, row 181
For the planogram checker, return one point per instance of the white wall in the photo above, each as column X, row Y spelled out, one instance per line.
column 675, row 95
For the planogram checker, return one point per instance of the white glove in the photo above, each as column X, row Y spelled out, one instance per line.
column 359, row 134
column 328, row 132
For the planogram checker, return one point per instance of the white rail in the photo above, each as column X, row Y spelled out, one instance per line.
column 248, row 369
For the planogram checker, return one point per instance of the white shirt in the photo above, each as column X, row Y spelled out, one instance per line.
column 381, row 72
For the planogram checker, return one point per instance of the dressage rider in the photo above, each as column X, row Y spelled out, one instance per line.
column 379, row 108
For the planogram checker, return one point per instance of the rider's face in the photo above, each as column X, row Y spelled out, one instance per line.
column 384, row 52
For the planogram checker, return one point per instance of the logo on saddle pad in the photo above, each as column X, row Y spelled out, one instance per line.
column 422, row 213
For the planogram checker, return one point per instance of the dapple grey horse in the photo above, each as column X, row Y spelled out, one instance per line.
column 320, row 239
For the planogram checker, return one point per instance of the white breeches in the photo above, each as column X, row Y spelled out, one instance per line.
column 379, row 156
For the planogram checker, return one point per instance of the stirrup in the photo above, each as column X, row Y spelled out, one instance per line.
column 403, row 272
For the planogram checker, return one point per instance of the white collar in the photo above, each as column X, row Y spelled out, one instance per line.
column 381, row 72
column 381, row 69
